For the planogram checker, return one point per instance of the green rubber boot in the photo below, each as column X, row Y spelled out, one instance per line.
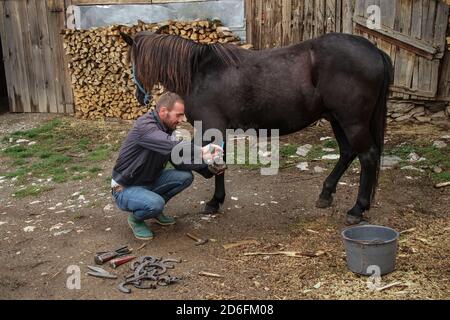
column 139, row 228
column 164, row 220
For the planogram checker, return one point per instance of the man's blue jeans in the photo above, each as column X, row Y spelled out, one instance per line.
column 147, row 202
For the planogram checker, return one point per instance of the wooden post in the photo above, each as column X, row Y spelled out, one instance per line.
column 56, row 22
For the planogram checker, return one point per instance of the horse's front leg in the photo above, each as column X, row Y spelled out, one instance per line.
column 213, row 205
column 218, row 198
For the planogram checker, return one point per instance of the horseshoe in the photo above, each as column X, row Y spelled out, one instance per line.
column 122, row 285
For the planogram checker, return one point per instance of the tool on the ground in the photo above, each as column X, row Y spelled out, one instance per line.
column 100, row 273
column 199, row 242
column 149, row 269
column 117, row 262
column 105, row 256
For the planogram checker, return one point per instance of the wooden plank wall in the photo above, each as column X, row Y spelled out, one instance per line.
column 275, row 23
column 412, row 33
column 36, row 71
column 444, row 79
column 444, row 74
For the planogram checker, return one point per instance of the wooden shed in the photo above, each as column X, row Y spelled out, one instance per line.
column 412, row 32
column 36, row 73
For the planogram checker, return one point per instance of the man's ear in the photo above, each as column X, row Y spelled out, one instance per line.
column 127, row 38
column 162, row 110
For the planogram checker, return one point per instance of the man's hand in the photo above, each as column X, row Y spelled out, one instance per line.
column 213, row 156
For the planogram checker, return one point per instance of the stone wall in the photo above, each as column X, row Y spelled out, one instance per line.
column 418, row 111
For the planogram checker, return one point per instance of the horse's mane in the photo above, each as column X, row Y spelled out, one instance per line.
column 172, row 60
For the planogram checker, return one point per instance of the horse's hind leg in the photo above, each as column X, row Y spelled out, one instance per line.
column 369, row 163
column 347, row 155
column 362, row 142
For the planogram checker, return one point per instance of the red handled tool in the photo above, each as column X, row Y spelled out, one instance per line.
column 102, row 257
column 120, row 261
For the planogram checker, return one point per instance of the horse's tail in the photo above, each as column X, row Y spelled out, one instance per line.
column 379, row 116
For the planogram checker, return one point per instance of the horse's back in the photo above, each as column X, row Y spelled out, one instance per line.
column 347, row 53
column 286, row 87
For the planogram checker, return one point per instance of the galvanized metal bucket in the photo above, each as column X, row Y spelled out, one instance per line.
column 370, row 249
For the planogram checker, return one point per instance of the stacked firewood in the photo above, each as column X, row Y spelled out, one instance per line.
column 202, row 31
column 102, row 79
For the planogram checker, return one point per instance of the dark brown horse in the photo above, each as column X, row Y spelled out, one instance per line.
column 340, row 77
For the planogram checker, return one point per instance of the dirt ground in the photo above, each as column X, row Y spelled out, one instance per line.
column 277, row 212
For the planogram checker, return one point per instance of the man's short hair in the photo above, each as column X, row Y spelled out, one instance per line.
column 168, row 100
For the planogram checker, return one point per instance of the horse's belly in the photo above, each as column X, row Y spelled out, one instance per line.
column 286, row 121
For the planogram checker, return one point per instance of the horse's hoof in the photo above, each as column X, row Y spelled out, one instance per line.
column 324, row 203
column 352, row 220
column 210, row 209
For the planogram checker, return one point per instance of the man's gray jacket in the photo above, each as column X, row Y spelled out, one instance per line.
column 147, row 150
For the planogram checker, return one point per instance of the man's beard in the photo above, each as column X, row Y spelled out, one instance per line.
column 169, row 125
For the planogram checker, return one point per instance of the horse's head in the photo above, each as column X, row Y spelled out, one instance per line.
column 142, row 95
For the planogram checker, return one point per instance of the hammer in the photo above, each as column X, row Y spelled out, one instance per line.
column 198, row 241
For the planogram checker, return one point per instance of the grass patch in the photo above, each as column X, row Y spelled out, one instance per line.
column 77, row 177
column 63, row 150
column 50, row 164
column 19, row 162
column 331, row 144
column 401, row 151
column 316, row 153
column 83, row 143
column 45, row 154
column 101, row 153
column 60, row 177
column 288, row 150
column 289, row 158
column 41, row 130
column 21, row 172
column 95, row 170
column 434, row 157
column 440, row 177
column 31, row 191
column 18, row 152
column 77, row 169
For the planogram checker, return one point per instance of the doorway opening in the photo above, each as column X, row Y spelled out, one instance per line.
column 4, row 104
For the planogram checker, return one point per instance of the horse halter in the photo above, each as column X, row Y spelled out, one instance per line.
column 147, row 96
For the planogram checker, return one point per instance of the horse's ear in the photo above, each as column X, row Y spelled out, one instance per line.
column 128, row 39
